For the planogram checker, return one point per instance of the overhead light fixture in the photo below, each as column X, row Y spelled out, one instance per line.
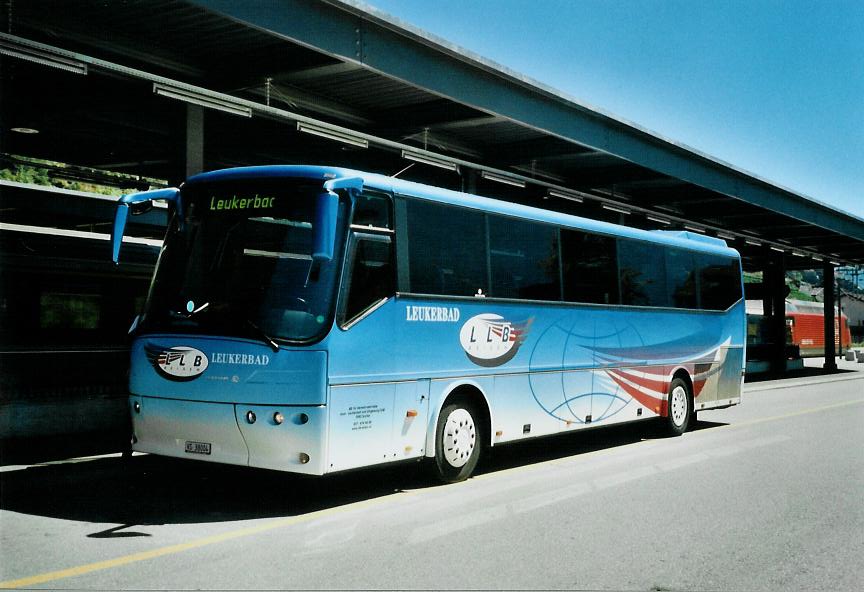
column 616, row 209
column 798, row 253
column 435, row 161
column 816, row 258
column 332, row 134
column 837, row 263
column 202, row 99
column 24, row 130
column 778, row 249
column 726, row 235
column 41, row 56
column 750, row 241
column 694, row 228
column 565, row 195
column 658, row 219
column 502, row 179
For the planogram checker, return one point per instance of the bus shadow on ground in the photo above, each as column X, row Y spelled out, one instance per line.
column 575, row 443
column 150, row 490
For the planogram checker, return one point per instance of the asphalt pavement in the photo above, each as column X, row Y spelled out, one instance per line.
column 762, row 496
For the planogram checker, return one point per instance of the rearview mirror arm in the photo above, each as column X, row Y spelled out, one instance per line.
column 171, row 194
column 326, row 209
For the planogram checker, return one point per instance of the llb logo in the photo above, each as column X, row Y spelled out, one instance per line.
column 177, row 363
column 490, row 340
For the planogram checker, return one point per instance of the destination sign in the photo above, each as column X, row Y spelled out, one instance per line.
column 242, row 203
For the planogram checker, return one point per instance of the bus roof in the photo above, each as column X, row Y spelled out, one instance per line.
column 682, row 239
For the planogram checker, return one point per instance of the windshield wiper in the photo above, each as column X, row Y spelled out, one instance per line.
column 263, row 336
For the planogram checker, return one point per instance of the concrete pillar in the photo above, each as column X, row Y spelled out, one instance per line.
column 828, row 282
column 194, row 150
column 776, row 293
column 767, row 301
column 469, row 180
column 840, row 321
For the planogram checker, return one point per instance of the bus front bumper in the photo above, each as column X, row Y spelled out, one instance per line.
column 248, row 435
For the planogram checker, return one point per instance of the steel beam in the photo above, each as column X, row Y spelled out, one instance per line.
column 546, row 149
column 659, row 186
column 298, row 99
column 469, row 123
column 317, row 72
column 427, row 114
column 609, row 176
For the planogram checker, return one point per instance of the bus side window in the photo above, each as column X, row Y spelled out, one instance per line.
column 451, row 263
column 372, row 275
column 643, row 273
column 682, row 287
column 373, row 209
column 523, row 259
column 590, row 267
column 719, row 281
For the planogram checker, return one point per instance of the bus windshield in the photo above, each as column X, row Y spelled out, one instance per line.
column 241, row 264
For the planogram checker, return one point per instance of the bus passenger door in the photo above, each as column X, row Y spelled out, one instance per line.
column 410, row 418
column 362, row 414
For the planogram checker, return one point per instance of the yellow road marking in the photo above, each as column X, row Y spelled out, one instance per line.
column 795, row 413
column 280, row 523
column 162, row 551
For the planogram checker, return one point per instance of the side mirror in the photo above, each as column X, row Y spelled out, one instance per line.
column 326, row 212
column 138, row 201
column 324, row 226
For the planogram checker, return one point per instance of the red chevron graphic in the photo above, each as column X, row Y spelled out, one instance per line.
column 654, row 403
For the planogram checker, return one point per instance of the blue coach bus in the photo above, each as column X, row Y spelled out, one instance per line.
column 315, row 319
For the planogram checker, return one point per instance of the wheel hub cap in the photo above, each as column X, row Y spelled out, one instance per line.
column 459, row 437
column 678, row 409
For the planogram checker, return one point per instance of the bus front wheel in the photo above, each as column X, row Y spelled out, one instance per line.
column 457, row 442
column 680, row 408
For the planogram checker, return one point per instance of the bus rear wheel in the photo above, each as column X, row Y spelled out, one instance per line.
column 680, row 408
column 457, row 442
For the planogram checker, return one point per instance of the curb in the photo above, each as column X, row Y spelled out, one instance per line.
column 793, row 382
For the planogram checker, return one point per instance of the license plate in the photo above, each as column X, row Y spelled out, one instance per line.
column 198, row 447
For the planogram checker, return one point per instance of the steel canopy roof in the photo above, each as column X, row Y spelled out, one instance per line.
column 263, row 66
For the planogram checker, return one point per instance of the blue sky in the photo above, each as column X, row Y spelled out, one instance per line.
column 775, row 88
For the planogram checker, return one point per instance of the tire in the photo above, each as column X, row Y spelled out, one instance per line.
column 680, row 408
column 458, row 442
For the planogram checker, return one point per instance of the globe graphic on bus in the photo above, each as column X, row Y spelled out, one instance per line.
column 574, row 396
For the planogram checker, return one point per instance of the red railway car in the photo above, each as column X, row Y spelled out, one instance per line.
column 807, row 326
